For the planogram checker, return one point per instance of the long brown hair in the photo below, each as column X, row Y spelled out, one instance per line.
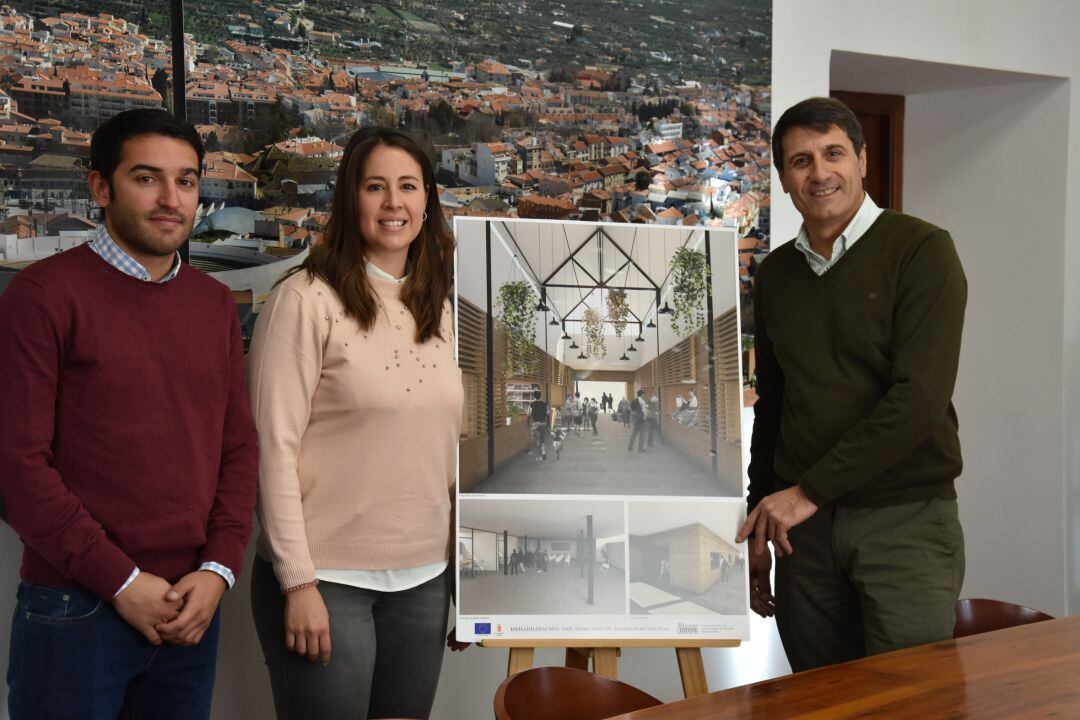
column 340, row 260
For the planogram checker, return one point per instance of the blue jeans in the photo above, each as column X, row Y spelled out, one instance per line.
column 73, row 656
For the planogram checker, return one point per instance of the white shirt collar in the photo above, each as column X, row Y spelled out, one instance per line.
column 376, row 271
column 865, row 216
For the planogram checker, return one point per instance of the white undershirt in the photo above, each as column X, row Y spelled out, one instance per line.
column 865, row 216
column 383, row 580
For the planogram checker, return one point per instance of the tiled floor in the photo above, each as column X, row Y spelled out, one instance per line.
column 600, row 465
column 723, row 598
column 645, row 595
column 681, row 608
column 559, row 591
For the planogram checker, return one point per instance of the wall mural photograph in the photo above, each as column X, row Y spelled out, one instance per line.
column 528, row 110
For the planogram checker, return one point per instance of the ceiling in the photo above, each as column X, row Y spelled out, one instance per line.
column 861, row 72
column 550, row 519
column 722, row 516
column 576, row 264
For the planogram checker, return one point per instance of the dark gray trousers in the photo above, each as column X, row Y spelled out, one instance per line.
column 864, row 581
column 386, row 658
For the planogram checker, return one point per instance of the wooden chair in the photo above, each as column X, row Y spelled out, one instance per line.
column 560, row 693
column 976, row 615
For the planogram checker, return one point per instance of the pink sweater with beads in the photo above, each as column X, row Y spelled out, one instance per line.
column 358, row 433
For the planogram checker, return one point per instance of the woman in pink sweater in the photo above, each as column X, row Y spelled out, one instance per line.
column 357, row 398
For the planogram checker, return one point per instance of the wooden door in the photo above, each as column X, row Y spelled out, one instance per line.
column 882, row 120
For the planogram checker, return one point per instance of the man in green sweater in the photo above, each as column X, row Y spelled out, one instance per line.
column 855, row 448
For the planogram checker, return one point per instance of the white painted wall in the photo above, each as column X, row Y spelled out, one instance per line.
column 1010, row 232
column 1004, row 181
column 1014, row 305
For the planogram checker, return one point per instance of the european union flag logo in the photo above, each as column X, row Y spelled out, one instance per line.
column 482, row 628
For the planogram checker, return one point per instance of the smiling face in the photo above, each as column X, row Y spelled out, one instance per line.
column 823, row 175
column 150, row 203
column 392, row 198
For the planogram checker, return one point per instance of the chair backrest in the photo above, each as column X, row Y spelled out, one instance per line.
column 559, row 693
column 977, row 615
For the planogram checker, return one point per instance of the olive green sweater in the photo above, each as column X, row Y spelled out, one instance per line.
column 855, row 369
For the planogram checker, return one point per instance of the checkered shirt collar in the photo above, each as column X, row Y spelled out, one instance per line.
column 107, row 249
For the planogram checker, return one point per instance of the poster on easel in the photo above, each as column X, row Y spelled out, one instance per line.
column 600, row 463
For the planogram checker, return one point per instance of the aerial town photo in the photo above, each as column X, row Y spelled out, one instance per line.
column 627, row 111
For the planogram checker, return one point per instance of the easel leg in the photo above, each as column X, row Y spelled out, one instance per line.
column 692, row 672
column 521, row 658
column 577, row 658
column 605, row 663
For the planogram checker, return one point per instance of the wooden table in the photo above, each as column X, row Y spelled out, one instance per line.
column 1024, row 672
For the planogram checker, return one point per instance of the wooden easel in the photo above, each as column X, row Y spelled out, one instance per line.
column 604, row 654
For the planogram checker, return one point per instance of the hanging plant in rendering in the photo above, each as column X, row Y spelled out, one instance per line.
column 595, row 346
column 689, row 273
column 618, row 310
column 515, row 311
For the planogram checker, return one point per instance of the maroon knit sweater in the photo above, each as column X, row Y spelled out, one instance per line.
column 125, row 432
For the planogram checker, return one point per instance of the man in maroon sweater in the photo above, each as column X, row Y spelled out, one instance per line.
column 127, row 449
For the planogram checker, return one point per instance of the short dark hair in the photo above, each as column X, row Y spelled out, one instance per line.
column 108, row 140
column 819, row 114
column 537, row 394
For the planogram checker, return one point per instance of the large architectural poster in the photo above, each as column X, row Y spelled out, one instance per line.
column 600, row 472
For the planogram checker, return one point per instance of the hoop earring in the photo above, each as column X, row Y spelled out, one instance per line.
column 425, row 217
